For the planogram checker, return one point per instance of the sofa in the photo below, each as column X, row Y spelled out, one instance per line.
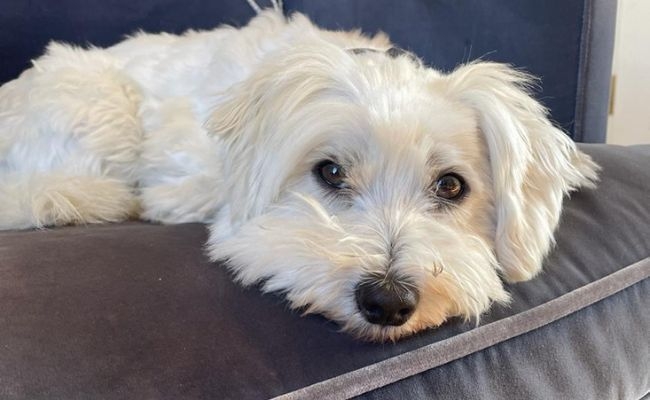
column 137, row 311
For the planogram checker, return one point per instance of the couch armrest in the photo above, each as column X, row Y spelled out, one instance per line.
column 596, row 51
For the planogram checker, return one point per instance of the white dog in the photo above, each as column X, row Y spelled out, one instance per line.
column 365, row 186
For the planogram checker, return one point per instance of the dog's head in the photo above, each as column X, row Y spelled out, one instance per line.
column 384, row 194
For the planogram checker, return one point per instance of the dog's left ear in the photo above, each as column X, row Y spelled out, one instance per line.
column 533, row 163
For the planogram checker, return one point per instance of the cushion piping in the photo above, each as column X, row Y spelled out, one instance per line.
column 391, row 370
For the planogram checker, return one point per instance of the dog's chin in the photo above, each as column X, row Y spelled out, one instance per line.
column 355, row 325
column 365, row 331
column 442, row 298
column 376, row 333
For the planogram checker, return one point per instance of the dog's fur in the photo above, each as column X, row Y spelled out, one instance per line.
column 225, row 127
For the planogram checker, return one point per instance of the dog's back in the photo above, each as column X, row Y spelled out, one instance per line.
column 94, row 135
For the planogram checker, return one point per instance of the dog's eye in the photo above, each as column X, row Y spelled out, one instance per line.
column 450, row 187
column 331, row 173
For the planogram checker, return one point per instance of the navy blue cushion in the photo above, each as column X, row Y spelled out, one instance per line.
column 529, row 35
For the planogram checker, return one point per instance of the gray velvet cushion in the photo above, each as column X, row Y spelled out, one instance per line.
column 136, row 310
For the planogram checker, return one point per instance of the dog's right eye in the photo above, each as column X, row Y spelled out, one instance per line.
column 331, row 173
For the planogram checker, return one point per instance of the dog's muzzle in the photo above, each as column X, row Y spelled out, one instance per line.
column 385, row 301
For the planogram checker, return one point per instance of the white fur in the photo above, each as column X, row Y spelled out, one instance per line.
column 225, row 126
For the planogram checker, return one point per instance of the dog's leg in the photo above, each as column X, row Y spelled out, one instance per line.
column 50, row 199
column 70, row 140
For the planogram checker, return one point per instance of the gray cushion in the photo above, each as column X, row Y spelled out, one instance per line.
column 136, row 310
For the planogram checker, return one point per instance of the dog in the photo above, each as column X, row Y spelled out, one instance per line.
column 330, row 166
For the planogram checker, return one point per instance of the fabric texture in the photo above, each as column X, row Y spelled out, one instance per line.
column 136, row 310
column 567, row 43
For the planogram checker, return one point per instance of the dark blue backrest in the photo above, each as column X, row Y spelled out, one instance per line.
column 567, row 43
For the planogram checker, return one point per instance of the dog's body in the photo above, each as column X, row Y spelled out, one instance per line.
column 369, row 188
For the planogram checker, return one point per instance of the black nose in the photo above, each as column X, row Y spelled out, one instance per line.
column 384, row 301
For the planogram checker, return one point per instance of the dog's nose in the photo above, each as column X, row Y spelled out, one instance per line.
column 386, row 302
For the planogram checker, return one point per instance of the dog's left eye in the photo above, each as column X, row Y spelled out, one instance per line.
column 331, row 173
column 450, row 187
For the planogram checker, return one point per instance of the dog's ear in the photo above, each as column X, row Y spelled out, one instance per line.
column 256, row 122
column 533, row 163
column 244, row 123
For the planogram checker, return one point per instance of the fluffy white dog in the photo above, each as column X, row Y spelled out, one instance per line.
column 367, row 187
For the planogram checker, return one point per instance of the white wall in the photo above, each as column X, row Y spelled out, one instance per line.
column 630, row 121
